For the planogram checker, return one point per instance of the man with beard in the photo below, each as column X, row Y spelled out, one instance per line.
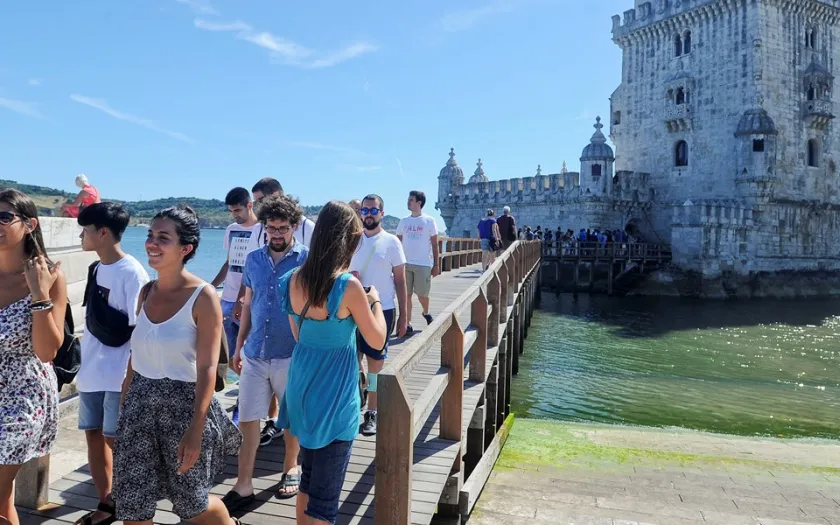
column 265, row 344
column 380, row 262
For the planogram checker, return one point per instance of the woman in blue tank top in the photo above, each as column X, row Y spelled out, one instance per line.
column 321, row 404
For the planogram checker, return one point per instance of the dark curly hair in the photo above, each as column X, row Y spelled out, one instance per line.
column 279, row 207
column 186, row 226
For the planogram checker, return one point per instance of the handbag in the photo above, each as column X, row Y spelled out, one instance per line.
column 68, row 359
column 107, row 324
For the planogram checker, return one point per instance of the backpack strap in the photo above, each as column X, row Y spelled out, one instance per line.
column 90, row 286
column 303, row 315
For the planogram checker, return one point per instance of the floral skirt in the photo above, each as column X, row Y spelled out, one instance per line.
column 154, row 418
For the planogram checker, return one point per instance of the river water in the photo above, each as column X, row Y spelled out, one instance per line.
column 759, row 367
column 743, row 367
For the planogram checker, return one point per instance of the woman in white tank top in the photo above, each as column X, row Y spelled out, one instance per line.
column 173, row 435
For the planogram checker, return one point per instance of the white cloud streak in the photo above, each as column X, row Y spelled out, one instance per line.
column 102, row 105
column 29, row 109
column 368, row 169
column 399, row 165
column 199, row 6
column 466, row 19
column 287, row 52
column 34, row 82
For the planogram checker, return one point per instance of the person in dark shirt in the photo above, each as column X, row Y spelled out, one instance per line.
column 507, row 228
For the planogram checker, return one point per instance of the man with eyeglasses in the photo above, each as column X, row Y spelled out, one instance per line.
column 265, row 344
column 380, row 262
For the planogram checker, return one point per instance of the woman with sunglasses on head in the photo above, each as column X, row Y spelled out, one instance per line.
column 33, row 301
column 172, row 435
column 326, row 304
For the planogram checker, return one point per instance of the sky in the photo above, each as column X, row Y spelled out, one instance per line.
column 336, row 99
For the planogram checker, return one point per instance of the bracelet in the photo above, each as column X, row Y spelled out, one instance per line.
column 41, row 306
column 373, row 303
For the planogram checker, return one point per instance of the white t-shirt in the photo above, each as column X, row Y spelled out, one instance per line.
column 239, row 242
column 103, row 367
column 374, row 260
column 417, row 233
column 303, row 233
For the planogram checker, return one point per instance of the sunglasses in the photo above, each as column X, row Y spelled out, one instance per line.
column 7, row 217
column 370, row 211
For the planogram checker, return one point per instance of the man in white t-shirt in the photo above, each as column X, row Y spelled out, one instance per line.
column 245, row 235
column 379, row 262
column 114, row 284
column 268, row 186
column 419, row 236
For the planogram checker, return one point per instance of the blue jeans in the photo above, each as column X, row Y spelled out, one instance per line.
column 322, row 475
column 99, row 410
column 230, row 325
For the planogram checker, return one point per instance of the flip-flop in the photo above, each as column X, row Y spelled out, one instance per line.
column 107, row 508
column 233, row 501
column 287, row 481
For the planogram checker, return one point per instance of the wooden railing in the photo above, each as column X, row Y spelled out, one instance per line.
column 400, row 419
column 589, row 251
column 457, row 253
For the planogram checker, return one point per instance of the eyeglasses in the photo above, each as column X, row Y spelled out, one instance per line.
column 282, row 230
column 370, row 211
column 7, row 217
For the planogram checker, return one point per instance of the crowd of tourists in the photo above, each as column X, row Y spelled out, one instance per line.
column 304, row 318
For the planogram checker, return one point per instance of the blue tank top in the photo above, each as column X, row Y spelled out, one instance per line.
column 321, row 403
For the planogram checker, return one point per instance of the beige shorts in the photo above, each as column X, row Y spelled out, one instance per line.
column 260, row 379
column 418, row 279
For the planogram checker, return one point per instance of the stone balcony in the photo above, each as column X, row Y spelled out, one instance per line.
column 678, row 117
column 818, row 113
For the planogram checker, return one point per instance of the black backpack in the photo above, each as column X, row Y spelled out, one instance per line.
column 68, row 359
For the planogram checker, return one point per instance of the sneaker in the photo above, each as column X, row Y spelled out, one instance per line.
column 428, row 318
column 269, row 432
column 409, row 329
column 369, row 426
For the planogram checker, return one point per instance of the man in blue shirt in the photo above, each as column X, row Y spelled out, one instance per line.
column 264, row 347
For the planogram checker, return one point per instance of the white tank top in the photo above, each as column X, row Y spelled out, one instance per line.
column 167, row 349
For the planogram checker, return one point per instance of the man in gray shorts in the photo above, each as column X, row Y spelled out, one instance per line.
column 419, row 236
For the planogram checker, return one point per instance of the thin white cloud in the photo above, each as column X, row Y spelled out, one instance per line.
column 465, row 19
column 399, row 165
column 323, row 147
column 584, row 115
column 29, row 109
column 285, row 51
column 34, row 82
column 368, row 169
column 199, row 6
column 102, row 105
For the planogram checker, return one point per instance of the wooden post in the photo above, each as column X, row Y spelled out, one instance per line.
column 491, row 404
column 475, row 437
column 517, row 331
column 513, row 269
column 610, row 279
column 501, row 383
column 501, row 315
column 478, row 352
column 33, row 483
column 394, row 452
column 493, row 291
column 577, row 275
column 452, row 400
column 456, row 261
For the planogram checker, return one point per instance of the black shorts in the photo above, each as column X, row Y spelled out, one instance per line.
column 373, row 353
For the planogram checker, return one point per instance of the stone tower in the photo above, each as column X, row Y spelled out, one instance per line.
column 449, row 181
column 596, row 164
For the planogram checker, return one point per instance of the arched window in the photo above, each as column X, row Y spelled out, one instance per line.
column 812, row 93
column 812, row 42
column 807, row 38
column 680, row 96
column 681, row 154
column 678, row 47
column 758, row 145
column 813, row 153
column 687, row 42
column 596, row 170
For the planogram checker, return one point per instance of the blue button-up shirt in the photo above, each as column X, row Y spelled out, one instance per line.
column 271, row 335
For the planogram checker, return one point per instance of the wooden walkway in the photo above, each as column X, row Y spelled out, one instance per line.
column 433, row 457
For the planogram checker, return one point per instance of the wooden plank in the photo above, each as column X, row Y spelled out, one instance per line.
column 478, row 350
column 452, row 357
column 473, row 486
column 394, row 452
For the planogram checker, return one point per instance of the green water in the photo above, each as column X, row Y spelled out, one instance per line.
column 759, row 367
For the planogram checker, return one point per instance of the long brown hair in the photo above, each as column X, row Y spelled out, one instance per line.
column 33, row 242
column 337, row 234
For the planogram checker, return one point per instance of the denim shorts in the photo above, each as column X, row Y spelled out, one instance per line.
column 485, row 245
column 230, row 325
column 99, row 410
column 374, row 353
column 322, row 475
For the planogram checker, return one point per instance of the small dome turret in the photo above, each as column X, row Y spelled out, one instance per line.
column 597, row 149
column 755, row 122
column 452, row 170
column 479, row 175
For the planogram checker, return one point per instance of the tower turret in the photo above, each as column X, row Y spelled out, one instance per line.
column 449, row 181
column 596, row 164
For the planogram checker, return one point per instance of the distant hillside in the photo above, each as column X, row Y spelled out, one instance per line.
column 211, row 212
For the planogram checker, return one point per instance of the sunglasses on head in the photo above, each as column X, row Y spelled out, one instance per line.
column 370, row 211
column 7, row 217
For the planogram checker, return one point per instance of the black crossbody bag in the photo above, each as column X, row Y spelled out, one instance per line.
column 104, row 322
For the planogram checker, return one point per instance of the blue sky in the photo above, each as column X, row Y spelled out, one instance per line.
column 156, row 98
